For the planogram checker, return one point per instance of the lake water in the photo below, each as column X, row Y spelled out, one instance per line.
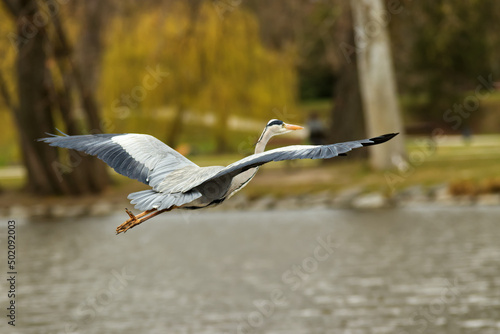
column 413, row 270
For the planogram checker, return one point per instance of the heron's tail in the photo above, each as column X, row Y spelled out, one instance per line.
column 150, row 199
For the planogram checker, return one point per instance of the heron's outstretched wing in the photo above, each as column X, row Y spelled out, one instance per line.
column 137, row 156
column 296, row 152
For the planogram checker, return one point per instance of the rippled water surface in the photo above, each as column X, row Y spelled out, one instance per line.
column 319, row 271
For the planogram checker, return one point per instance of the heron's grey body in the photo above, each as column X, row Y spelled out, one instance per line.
column 176, row 181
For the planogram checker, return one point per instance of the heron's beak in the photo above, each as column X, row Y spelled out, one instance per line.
column 293, row 127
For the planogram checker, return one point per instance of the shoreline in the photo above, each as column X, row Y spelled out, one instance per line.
column 353, row 199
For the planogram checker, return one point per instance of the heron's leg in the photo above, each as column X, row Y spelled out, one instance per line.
column 142, row 214
column 134, row 217
column 140, row 218
column 132, row 221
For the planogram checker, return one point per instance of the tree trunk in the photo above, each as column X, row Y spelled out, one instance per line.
column 34, row 115
column 347, row 121
column 96, row 178
column 38, row 101
column 90, row 45
column 377, row 84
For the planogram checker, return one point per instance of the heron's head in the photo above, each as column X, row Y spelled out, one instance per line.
column 277, row 127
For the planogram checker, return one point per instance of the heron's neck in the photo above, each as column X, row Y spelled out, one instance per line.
column 262, row 142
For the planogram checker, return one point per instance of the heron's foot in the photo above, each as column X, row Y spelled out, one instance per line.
column 132, row 221
column 135, row 220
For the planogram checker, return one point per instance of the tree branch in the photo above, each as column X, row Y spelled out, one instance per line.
column 4, row 92
column 87, row 99
column 12, row 6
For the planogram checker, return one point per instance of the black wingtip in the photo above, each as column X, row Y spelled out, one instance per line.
column 380, row 139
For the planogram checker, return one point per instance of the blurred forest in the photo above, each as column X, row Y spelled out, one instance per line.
column 201, row 71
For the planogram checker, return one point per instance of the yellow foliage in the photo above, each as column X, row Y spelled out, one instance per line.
column 215, row 65
column 9, row 152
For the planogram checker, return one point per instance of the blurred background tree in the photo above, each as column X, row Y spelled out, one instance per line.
column 47, row 78
column 376, row 78
column 441, row 48
column 217, row 69
column 211, row 72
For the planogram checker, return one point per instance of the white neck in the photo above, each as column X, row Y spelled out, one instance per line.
column 242, row 179
column 264, row 138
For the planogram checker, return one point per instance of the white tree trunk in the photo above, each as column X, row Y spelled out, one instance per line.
column 376, row 80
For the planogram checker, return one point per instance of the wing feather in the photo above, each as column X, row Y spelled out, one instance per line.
column 137, row 156
column 295, row 152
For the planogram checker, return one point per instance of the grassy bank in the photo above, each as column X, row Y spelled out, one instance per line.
column 467, row 168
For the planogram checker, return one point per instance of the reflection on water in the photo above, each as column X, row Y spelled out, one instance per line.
column 317, row 271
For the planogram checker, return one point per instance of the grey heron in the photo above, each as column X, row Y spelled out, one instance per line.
column 176, row 182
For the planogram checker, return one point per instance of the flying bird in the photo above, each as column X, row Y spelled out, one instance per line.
column 178, row 183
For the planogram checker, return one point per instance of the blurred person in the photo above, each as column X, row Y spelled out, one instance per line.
column 467, row 135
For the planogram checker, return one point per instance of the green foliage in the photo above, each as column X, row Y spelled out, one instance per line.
column 453, row 44
column 320, row 56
